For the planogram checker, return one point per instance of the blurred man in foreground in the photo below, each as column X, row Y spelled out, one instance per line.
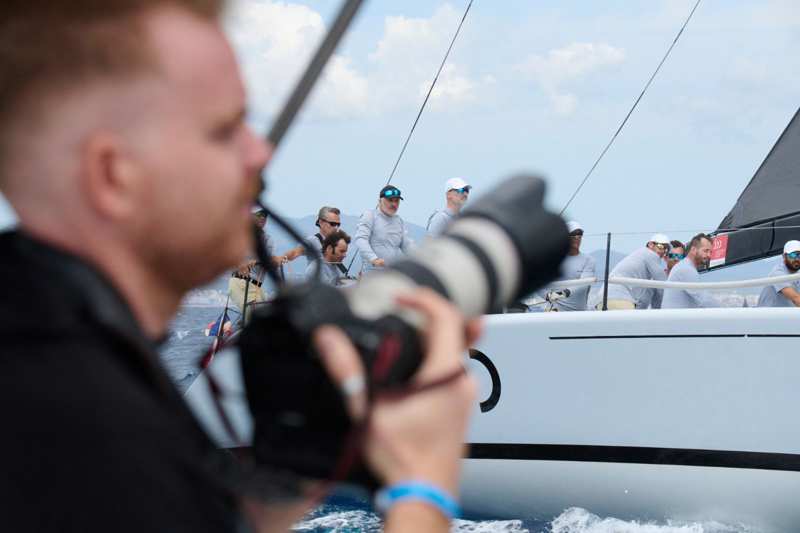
column 127, row 159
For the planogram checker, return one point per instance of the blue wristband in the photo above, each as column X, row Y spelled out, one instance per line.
column 420, row 491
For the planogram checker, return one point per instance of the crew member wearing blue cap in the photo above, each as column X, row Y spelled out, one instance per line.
column 381, row 234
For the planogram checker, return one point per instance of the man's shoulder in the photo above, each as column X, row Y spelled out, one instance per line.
column 683, row 270
column 315, row 240
column 779, row 270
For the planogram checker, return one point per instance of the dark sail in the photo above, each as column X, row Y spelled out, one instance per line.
column 760, row 222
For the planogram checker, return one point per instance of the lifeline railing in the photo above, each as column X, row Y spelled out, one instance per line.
column 653, row 284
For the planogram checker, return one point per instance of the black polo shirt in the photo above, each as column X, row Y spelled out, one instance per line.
column 94, row 435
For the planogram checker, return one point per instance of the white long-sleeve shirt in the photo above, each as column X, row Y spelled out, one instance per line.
column 439, row 220
column 771, row 294
column 686, row 298
column 380, row 236
column 644, row 263
column 576, row 267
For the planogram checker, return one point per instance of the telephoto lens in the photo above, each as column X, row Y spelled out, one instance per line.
column 503, row 247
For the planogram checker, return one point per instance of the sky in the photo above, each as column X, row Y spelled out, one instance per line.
column 530, row 86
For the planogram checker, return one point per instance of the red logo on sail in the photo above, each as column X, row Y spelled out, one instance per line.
column 719, row 250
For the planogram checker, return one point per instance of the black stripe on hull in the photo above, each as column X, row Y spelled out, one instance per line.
column 636, row 455
column 678, row 336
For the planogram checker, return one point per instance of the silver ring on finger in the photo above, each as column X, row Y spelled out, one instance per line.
column 353, row 385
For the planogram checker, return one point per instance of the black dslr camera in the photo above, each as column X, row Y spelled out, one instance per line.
column 502, row 247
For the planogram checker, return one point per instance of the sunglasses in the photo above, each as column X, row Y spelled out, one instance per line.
column 576, row 233
column 392, row 193
column 261, row 214
column 794, row 256
column 677, row 257
column 661, row 245
column 334, row 224
column 462, row 190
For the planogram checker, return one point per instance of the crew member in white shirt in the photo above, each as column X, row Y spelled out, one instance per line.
column 456, row 194
column 575, row 266
column 697, row 257
column 644, row 263
column 785, row 293
column 381, row 235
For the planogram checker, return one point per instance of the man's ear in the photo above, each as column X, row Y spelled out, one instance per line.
column 111, row 180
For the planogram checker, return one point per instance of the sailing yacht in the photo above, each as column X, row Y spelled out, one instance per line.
column 681, row 414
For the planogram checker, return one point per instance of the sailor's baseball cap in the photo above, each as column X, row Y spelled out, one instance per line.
column 456, row 183
column 791, row 246
column 390, row 191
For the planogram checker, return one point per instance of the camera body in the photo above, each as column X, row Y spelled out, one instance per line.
column 504, row 246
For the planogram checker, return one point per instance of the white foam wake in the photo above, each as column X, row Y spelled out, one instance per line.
column 363, row 521
column 573, row 520
column 577, row 520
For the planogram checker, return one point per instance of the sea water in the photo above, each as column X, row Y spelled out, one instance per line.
column 186, row 345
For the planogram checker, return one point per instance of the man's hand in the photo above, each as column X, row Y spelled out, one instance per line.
column 244, row 268
column 378, row 262
column 421, row 436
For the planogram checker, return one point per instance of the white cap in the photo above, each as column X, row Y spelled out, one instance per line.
column 257, row 209
column 456, row 183
column 659, row 238
column 791, row 246
column 573, row 225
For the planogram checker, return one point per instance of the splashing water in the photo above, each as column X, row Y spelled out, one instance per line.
column 577, row 520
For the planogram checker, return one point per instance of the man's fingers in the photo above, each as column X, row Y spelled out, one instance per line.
column 444, row 332
column 474, row 330
column 343, row 365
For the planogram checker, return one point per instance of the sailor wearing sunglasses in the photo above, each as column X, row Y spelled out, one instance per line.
column 381, row 234
column 328, row 221
column 675, row 255
column 785, row 294
column 456, row 194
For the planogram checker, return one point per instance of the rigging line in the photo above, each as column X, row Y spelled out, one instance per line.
column 630, row 112
column 430, row 90
column 676, row 231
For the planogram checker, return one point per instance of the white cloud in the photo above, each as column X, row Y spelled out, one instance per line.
column 560, row 67
column 275, row 40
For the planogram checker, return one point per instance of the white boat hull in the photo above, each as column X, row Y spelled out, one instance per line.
column 680, row 414
column 652, row 415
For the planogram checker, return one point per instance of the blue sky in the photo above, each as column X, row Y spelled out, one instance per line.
column 530, row 86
